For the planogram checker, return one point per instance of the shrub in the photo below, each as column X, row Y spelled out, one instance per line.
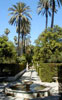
column 29, row 58
column 13, row 69
column 47, row 71
column 21, row 59
column 7, row 51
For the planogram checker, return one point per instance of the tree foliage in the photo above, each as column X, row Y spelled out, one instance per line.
column 7, row 50
column 44, row 9
column 7, row 31
column 49, row 46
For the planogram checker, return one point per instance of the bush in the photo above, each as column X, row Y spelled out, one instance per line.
column 7, row 51
column 47, row 71
column 21, row 59
column 11, row 69
column 29, row 58
column 12, row 66
column 48, row 46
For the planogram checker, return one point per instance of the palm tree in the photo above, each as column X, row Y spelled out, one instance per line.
column 15, row 40
column 7, row 31
column 53, row 4
column 44, row 8
column 18, row 12
column 25, row 29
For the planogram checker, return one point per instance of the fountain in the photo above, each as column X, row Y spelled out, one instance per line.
column 26, row 89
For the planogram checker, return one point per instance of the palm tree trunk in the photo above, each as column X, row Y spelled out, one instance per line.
column 46, row 18
column 18, row 44
column 22, row 44
column 19, row 38
column 53, row 8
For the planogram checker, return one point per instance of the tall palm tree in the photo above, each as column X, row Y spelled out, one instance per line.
column 44, row 9
column 25, row 29
column 7, row 31
column 19, row 11
column 53, row 4
column 15, row 40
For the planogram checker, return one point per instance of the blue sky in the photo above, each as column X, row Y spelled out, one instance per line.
column 37, row 22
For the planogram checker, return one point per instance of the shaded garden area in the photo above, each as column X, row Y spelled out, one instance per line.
column 7, row 70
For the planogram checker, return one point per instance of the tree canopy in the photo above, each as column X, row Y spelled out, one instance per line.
column 20, row 14
column 49, row 46
column 7, row 50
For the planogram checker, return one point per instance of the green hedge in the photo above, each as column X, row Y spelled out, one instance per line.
column 47, row 71
column 11, row 69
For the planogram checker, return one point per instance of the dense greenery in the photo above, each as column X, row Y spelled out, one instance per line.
column 21, row 59
column 47, row 71
column 7, row 51
column 29, row 53
column 49, row 46
column 10, row 63
column 11, row 69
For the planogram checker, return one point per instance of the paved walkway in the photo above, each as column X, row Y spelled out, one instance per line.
column 31, row 75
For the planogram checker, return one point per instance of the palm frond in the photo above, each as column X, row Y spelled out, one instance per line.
column 20, row 10
column 43, row 5
column 27, row 15
column 15, row 6
column 11, row 9
column 12, row 20
column 39, row 10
